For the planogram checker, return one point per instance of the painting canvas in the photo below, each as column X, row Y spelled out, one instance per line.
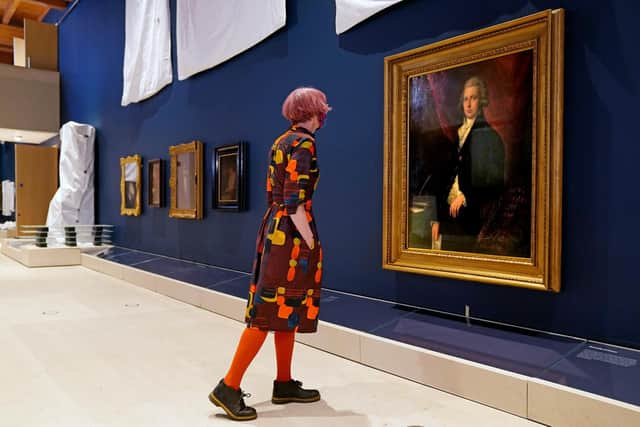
column 185, row 185
column 130, row 194
column 470, row 168
column 156, row 183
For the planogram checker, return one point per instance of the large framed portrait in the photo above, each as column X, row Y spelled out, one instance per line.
column 473, row 155
column 130, row 185
column 155, row 183
column 229, row 177
column 185, row 182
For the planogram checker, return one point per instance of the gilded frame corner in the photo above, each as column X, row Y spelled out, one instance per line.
column 542, row 35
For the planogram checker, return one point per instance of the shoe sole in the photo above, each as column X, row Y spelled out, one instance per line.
column 213, row 399
column 283, row 400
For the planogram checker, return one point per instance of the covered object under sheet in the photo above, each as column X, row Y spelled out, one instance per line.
column 73, row 203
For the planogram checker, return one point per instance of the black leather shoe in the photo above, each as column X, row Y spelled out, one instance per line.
column 292, row 391
column 231, row 400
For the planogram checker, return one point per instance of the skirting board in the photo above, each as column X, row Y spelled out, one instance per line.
column 557, row 405
column 517, row 394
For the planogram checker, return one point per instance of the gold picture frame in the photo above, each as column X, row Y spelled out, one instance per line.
column 185, row 182
column 130, row 185
column 473, row 155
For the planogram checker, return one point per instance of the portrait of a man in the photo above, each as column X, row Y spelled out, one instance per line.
column 473, row 155
column 470, row 167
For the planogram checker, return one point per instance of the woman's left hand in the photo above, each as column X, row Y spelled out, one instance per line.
column 458, row 202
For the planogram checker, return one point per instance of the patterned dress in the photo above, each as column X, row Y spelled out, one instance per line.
column 284, row 294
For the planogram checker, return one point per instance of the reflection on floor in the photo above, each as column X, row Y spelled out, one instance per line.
column 80, row 348
column 593, row 367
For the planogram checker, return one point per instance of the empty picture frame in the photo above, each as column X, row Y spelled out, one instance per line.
column 185, row 182
column 155, row 183
column 229, row 177
column 130, row 185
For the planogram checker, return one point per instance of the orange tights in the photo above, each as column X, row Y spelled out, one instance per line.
column 250, row 343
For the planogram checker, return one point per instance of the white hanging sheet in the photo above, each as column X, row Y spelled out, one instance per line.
column 147, row 49
column 73, row 203
column 210, row 32
column 351, row 12
column 8, row 197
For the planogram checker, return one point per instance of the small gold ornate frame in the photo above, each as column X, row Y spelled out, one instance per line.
column 130, row 185
column 185, row 182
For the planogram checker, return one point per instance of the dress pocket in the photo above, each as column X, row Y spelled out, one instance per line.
column 277, row 237
column 304, row 257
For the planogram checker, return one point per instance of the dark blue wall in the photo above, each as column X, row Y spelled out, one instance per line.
column 240, row 100
column 7, row 170
column 7, row 161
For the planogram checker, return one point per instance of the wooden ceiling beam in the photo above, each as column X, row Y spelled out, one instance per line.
column 8, row 32
column 9, row 11
column 53, row 4
column 44, row 13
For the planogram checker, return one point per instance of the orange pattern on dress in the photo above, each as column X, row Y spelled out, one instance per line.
column 291, row 168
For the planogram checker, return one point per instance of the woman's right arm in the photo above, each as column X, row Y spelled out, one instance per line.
column 300, row 220
column 296, row 181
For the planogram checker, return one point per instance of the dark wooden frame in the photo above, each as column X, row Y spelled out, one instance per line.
column 161, row 190
column 240, row 202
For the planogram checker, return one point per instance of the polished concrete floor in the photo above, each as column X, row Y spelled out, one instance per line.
column 83, row 349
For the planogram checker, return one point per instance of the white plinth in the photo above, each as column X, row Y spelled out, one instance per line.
column 31, row 256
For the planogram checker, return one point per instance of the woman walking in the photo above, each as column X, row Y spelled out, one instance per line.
column 284, row 293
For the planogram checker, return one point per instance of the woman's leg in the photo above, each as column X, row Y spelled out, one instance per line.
column 285, row 389
column 284, row 353
column 250, row 343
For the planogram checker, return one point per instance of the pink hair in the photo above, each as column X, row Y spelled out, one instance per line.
column 303, row 103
